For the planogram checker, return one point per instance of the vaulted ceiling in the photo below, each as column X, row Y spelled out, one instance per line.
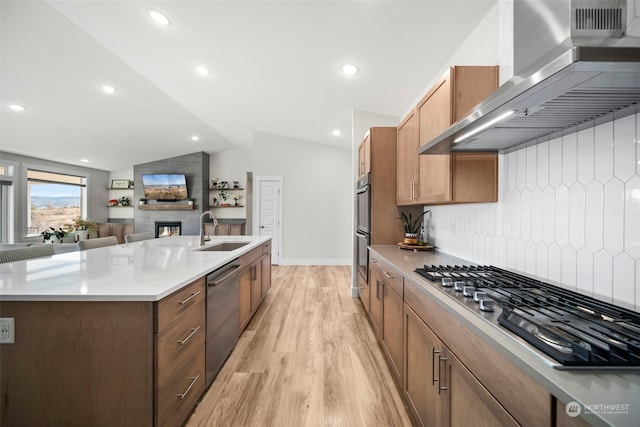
column 275, row 68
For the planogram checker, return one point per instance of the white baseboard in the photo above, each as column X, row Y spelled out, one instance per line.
column 321, row 261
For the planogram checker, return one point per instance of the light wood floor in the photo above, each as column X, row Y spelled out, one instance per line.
column 308, row 358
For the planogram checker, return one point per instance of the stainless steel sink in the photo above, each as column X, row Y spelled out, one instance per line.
column 224, row 247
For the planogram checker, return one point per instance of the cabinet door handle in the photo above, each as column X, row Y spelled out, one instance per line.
column 388, row 275
column 440, row 386
column 378, row 294
column 433, row 370
column 183, row 395
column 193, row 332
column 412, row 191
column 190, row 298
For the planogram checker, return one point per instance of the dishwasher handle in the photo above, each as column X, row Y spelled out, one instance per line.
column 222, row 274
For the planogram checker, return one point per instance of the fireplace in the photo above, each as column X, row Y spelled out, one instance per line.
column 168, row 228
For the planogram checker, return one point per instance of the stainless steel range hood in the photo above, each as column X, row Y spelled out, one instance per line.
column 558, row 87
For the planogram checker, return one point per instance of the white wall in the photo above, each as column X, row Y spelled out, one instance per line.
column 231, row 165
column 317, row 197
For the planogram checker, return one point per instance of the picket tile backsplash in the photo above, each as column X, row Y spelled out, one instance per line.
column 568, row 212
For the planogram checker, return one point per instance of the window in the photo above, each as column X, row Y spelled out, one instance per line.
column 53, row 200
column 6, row 202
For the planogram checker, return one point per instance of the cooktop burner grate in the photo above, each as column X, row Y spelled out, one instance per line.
column 575, row 330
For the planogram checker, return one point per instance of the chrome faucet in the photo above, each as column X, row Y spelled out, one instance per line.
column 215, row 224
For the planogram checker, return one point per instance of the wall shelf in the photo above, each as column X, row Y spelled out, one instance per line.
column 224, row 207
column 166, row 207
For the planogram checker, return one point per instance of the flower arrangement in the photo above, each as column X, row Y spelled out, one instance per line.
column 81, row 224
column 236, row 197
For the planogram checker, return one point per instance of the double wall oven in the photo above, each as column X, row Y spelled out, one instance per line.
column 363, row 218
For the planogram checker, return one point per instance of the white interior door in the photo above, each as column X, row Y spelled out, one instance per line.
column 270, row 212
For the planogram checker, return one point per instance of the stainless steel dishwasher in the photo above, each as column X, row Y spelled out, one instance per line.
column 223, row 313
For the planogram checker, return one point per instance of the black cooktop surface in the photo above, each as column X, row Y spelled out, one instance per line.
column 573, row 329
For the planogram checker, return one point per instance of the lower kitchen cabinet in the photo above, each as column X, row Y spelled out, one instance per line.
column 255, row 281
column 376, row 303
column 421, row 386
column 385, row 310
column 468, row 403
column 179, row 354
column 440, row 389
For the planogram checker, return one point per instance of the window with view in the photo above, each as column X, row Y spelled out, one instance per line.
column 53, row 200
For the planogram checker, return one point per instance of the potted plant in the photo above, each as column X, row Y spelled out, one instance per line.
column 190, row 201
column 143, row 201
column 123, row 201
column 54, row 235
column 223, row 186
column 236, row 197
column 411, row 227
column 82, row 227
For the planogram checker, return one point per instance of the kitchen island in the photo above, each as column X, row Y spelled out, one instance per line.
column 519, row 381
column 114, row 335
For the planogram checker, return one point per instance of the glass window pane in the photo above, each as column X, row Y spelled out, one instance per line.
column 54, row 200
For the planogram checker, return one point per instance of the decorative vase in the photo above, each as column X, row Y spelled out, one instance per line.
column 82, row 234
column 411, row 238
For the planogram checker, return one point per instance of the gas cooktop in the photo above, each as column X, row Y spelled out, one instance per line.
column 575, row 330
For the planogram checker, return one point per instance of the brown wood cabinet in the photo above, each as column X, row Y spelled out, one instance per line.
column 392, row 325
column 420, row 374
column 115, row 229
column 364, row 156
column 253, row 273
column 443, row 392
column 502, row 396
column 446, row 178
column 385, row 309
column 376, row 302
column 266, row 268
column 179, row 354
column 107, row 364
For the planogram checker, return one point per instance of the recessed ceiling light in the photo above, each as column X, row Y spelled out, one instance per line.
column 203, row 71
column 159, row 18
column 84, row 160
column 195, row 138
column 349, row 69
column 108, row 89
column 16, row 107
column 336, row 132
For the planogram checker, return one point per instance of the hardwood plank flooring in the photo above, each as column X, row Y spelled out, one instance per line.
column 308, row 358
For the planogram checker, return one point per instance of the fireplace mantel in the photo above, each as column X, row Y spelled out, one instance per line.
column 166, row 207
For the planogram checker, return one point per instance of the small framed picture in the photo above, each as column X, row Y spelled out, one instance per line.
column 119, row 183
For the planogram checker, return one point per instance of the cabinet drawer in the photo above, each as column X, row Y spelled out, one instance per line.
column 178, row 395
column 392, row 277
column 176, row 304
column 375, row 262
column 250, row 257
column 178, row 343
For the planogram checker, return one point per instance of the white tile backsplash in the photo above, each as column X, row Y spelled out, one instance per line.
column 568, row 213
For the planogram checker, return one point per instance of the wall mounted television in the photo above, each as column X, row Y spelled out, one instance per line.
column 165, row 187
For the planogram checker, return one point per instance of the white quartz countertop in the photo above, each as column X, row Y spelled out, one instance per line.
column 148, row 270
column 613, row 396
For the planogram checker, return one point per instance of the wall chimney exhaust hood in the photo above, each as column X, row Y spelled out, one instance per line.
column 592, row 74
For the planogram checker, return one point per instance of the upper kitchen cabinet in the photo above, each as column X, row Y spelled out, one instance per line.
column 364, row 156
column 448, row 178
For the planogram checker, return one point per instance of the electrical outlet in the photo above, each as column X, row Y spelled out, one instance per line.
column 7, row 330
